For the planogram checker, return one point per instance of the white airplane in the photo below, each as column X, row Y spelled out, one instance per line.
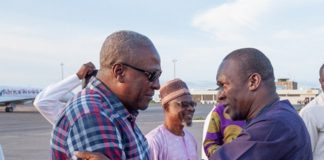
column 10, row 96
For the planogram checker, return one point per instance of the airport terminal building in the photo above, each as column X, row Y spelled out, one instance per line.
column 286, row 89
column 296, row 97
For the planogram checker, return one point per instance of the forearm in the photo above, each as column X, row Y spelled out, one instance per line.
column 48, row 101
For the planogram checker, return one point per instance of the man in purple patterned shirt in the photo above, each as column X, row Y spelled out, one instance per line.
column 221, row 130
column 101, row 118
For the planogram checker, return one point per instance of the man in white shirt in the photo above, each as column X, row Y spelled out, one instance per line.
column 51, row 101
column 312, row 114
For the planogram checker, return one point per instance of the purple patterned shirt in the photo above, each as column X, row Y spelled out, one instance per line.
column 221, row 130
column 95, row 120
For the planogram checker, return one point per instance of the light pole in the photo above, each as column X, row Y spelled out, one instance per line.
column 174, row 68
column 62, row 75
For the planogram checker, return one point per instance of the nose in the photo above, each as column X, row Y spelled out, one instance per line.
column 192, row 109
column 221, row 95
column 156, row 84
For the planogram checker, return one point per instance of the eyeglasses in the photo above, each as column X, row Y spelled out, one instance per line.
column 186, row 104
column 151, row 76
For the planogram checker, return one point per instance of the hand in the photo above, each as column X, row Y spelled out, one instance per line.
column 86, row 155
column 85, row 69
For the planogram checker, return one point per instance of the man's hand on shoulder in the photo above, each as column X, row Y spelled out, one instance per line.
column 86, row 69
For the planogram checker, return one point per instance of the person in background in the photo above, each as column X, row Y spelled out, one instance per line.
column 171, row 141
column 102, row 117
column 312, row 114
column 49, row 101
column 205, row 128
column 274, row 130
column 221, row 129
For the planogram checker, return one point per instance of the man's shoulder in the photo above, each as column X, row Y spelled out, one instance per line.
column 311, row 108
column 186, row 131
column 281, row 109
column 316, row 102
column 83, row 100
column 156, row 133
column 190, row 135
column 283, row 119
column 280, row 114
column 86, row 102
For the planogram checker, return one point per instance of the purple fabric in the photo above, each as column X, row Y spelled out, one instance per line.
column 226, row 122
column 219, row 137
column 276, row 133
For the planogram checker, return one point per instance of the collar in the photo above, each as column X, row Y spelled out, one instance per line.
column 114, row 103
column 265, row 108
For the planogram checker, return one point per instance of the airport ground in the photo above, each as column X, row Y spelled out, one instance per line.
column 25, row 134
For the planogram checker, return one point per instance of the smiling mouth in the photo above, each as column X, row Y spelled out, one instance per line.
column 189, row 116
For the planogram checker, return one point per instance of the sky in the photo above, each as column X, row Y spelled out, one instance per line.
column 37, row 36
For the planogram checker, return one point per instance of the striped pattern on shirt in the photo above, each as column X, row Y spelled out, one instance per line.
column 95, row 120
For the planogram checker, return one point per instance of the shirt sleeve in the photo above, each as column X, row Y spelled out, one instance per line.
column 213, row 137
column 260, row 140
column 310, row 123
column 95, row 132
column 48, row 103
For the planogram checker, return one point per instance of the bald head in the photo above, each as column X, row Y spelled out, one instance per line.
column 251, row 61
column 120, row 46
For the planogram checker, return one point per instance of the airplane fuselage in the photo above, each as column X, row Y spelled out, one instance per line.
column 10, row 96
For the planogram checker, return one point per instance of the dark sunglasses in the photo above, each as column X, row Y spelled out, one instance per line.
column 186, row 104
column 151, row 76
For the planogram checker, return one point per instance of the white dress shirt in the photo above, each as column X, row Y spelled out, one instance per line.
column 313, row 116
column 51, row 101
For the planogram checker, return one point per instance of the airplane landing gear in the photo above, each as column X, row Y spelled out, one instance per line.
column 10, row 108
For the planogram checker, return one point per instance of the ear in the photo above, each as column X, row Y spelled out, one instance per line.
column 254, row 81
column 119, row 72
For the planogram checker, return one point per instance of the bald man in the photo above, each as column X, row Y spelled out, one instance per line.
column 273, row 130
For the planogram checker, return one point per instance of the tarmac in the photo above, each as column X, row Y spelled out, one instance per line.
column 25, row 134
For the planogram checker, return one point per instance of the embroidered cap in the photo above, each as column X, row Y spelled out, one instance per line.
column 172, row 90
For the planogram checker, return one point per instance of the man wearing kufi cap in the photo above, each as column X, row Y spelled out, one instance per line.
column 171, row 140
